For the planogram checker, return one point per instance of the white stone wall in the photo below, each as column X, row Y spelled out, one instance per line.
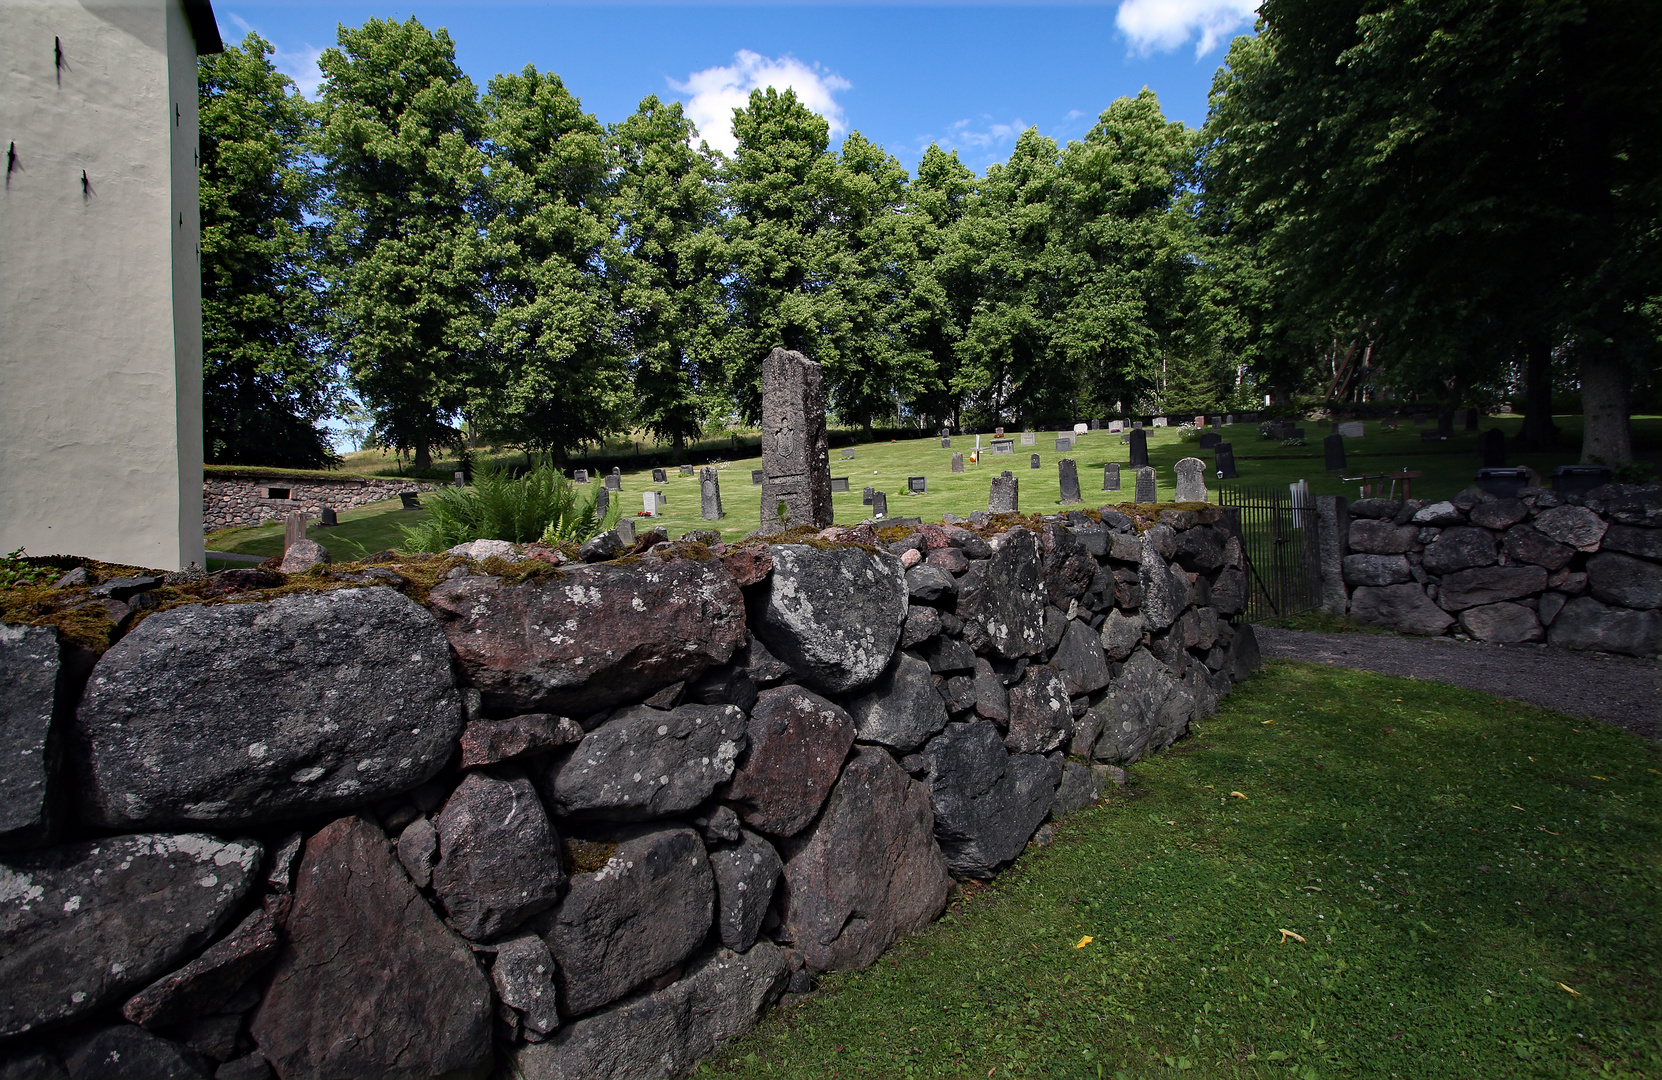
column 235, row 501
column 100, row 294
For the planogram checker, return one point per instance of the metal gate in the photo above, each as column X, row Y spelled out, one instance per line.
column 1278, row 537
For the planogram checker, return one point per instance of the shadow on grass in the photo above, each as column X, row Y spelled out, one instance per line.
column 1414, row 881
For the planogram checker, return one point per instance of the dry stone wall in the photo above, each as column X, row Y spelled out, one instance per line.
column 1577, row 571
column 563, row 818
column 236, row 501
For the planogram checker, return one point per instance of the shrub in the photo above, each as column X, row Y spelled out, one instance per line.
column 15, row 569
column 536, row 505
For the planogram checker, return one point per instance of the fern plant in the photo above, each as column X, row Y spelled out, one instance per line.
column 537, row 505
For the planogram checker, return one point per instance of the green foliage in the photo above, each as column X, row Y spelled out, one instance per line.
column 404, row 175
column 539, row 504
column 1449, row 863
column 266, row 377
column 16, row 570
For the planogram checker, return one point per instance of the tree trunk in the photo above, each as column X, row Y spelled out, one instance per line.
column 1606, row 435
column 1538, row 432
column 678, row 445
column 423, row 456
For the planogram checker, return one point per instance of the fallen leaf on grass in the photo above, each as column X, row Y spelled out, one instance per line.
column 1606, row 779
column 1548, row 831
column 1285, row 934
column 1568, row 990
column 1237, row 795
column 1266, row 721
column 1084, row 941
column 1515, row 806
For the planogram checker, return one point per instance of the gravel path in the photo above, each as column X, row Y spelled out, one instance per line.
column 1616, row 689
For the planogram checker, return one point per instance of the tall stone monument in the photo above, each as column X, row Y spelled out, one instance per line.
column 796, row 470
column 1139, row 448
column 958, row 463
column 1068, row 476
column 709, row 494
column 1226, row 461
column 1005, row 496
column 1111, row 476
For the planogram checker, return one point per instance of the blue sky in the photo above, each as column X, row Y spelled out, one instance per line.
column 969, row 76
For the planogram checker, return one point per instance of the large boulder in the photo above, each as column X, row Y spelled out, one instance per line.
column 1080, row 657
column 1575, row 526
column 1502, row 623
column 1527, row 544
column 83, row 925
column 1376, row 570
column 833, row 615
column 644, row 911
column 1404, row 608
column 1621, row 579
column 594, row 637
column 1040, row 717
column 1145, row 708
column 1584, row 623
column 1459, row 548
column 987, row 801
column 798, row 741
column 868, row 871
column 222, row 714
column 667, row 1032
column 499, row 860
column 902, row 709
column 369, row 981
column 746, row 875
column 1008, row 601
column 1490, row 585
column 1375, row 537
column 647, row 763
column 28, row 677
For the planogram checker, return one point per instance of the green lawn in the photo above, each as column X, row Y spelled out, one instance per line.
column 362, row 530
column 1448, row 467
column 1475, row 884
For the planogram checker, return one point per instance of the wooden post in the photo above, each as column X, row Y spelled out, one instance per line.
column 294, row 528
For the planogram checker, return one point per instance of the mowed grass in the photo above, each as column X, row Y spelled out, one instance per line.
column 362, row 531
column 1341, row 874
column 1447, row 467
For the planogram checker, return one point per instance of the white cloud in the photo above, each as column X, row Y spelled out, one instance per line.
column 1163, row 25
column 716, row 92
column 983, row 135
column 298, row 64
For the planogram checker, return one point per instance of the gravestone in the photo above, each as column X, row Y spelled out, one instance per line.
column 1096, row 425
column 617, row 470
column 958, row 462
column 795, row 444
column 327, row 518
column 946, row 442
column 1209, row 439
column 1080, row 429
column 1351, row 429
column 1160, row 421
column 581, row 476
column 1111, row 476
column 1147, row 492
column 757, row 475
column 1139, row 448
column 1445, row 423
column 686, row 470
column 614, row 482
column 1216, row 421
column 410, row 499
column 1200, row 421
column 839, row 485
column 1029, row 438
column 1472, row 416
column 848, row 453
column 917, row 485
column 458, row 479
column 1191, row 480
column 1295, row 433
column 1229, row 420
column 1033, row 461
column 709, row 494
column 1064, row 445
column 1005, row 496
column 1226, row 461
column 865, row 496
column 998, row 433
column 1004, row 446
column 625, row 530
column 1116, row 427
column 1068, row 477
column 879, row 504
column 294, row 529
column 1333, row 453
column 1136, row 424
column 1492, row 445
column 1459, row 417
column 659, row 476
column 649, row 503
column 602, row 502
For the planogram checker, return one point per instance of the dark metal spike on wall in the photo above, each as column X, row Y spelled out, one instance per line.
column 57, row 59
column 86, row 185
column 11, row 157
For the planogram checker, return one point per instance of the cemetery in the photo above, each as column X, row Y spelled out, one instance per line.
column 689, row 636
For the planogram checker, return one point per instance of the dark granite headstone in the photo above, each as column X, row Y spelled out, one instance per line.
column 1472, row 417
column 1063, row 446
column 795, row 444
column 602, row 502
column 686, row 470
column 1226, row 461
column 614, row 481
column 1445, row 423
column 865, row 495
column 1209, row 439
column 756, row 476
column 1033, row 461
column 581, row 476
column 1139, row 448
column 1005, row 497
column 917, row 485
column 839, row 485
column 326, row 517
column 1004, row 446
column 659, row 476
column 1492, row 445
column 1068, row 477
column 1215, row 421
column 879, row 504
column 1147, row 492
column 1333, row 453
column 1111, row 476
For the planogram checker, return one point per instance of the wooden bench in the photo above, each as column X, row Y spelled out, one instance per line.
column 1367, row 486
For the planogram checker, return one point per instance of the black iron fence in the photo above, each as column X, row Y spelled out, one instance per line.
column 1277, row 531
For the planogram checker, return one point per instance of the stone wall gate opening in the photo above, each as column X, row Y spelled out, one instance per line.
column 1279, row 542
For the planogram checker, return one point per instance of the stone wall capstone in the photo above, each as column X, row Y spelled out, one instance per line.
column 587, row 818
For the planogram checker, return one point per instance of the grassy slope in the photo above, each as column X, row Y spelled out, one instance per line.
column 1448, row 859
column 1448, row 467
column 373, row 527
